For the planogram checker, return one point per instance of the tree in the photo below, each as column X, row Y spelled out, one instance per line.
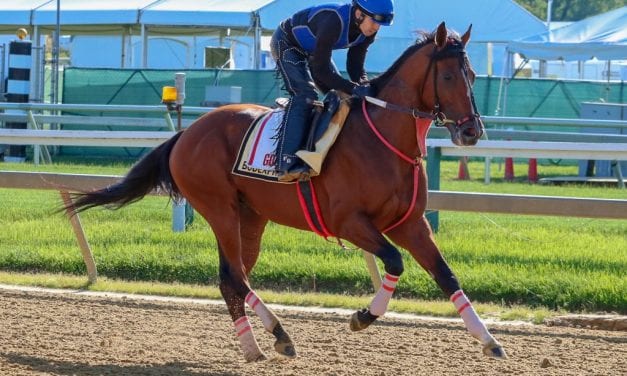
column 570, row 10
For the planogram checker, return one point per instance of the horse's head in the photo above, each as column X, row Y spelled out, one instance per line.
column 434, row 75
column 447, row 87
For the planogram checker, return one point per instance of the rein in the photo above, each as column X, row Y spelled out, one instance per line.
column 416, row 113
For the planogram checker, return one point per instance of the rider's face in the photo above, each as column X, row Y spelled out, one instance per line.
column 367, row 26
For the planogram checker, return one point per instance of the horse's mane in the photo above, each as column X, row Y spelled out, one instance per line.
column 424, row 38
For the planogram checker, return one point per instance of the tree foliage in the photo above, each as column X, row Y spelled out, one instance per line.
column 570, row 10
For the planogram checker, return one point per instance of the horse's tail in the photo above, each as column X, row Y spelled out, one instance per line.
column 152, row 171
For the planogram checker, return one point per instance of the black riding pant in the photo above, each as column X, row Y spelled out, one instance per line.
column 293, row 65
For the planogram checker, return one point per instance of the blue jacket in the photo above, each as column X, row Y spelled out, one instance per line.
column 305, row 36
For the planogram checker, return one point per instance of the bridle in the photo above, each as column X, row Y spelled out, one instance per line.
column 454, row 48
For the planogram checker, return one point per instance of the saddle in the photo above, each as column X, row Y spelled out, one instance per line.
column 327, row 118
column 257, row 155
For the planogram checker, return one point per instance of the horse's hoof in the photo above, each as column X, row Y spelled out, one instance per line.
column 361, row 319
column 286, row 349
column 259, row 357
column 283, row 345
column 493, row 349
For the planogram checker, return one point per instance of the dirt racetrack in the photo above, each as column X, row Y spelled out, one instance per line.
column 44, row 333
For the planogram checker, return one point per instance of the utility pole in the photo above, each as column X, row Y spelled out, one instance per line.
column 54, row 78
column 548, row 17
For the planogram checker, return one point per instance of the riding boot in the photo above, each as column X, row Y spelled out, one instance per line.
column 295, row 126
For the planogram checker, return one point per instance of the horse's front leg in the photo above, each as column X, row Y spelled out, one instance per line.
column 417, row 238
column 368, row 238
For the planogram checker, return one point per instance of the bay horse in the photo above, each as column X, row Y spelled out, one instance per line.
column 365, row 191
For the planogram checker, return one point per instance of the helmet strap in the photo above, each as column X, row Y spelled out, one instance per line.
column 362, row 16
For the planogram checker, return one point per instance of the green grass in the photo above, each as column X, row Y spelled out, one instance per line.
column 413, row 306
column 508, row 262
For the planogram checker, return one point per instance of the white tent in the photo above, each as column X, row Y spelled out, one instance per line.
column 495, row 22
column 16, row 14
column 76, row 15
column 603, row 36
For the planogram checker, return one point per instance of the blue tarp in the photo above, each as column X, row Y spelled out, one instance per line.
column 603, row 36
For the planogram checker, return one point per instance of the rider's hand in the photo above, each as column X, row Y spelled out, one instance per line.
column 363, row 90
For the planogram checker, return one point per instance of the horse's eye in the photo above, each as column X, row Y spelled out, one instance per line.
column 448, row 76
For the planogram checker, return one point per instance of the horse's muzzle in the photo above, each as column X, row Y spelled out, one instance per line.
column 468, row 132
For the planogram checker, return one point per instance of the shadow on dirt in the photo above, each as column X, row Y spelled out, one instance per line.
column 65, row 367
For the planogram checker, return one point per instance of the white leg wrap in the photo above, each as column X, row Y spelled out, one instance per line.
column 472, row 321
column 380, row 302
column 247, row 340
column 268, row 318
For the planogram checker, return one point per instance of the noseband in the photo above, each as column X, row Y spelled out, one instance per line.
column 454, row 48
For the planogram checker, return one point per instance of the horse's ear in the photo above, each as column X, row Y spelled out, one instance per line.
column 440, row 35
column 466, row 36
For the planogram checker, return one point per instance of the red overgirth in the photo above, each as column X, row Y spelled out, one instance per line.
column 307, row 194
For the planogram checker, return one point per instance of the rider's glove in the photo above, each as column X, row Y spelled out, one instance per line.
column 363, row 90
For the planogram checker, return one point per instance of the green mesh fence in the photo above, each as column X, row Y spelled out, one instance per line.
column 143, row 87
column 525, row 97
column 545, row 98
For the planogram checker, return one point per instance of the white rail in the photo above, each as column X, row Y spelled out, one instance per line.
column 438, row 200
column 485, row 148
column 156, row 109
column 534, row 149
column 587, row 123
column 83, row 138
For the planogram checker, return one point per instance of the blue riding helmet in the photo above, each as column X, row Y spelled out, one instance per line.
column 381, row 11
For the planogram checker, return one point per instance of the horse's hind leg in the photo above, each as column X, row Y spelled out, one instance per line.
column 417, row 238
column 235, row 304
column 251, row 230
column 224, row 218
column 239, row 242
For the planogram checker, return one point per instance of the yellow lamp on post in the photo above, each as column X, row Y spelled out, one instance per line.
column 21, row 33
column 168, row 97
column 174, row 97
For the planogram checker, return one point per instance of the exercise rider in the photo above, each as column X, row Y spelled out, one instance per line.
column 302, row 47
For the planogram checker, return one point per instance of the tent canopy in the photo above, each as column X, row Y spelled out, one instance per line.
column 603, row 36
column 493, row 20
column 16, row 14
column 186, row 16
column 113, row 17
